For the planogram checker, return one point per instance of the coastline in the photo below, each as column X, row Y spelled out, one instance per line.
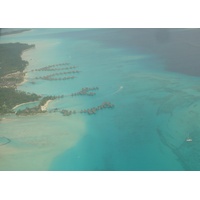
column 23, row 104
column 45, row 106
column 26, row 56
column 23, row 57
column 15, row 76
column 25, row 79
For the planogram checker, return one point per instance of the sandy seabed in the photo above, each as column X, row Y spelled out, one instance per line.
column 37, row 140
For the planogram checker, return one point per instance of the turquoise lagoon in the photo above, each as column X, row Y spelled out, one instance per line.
column 155, row 110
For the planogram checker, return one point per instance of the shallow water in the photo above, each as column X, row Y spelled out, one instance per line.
column 155, row 110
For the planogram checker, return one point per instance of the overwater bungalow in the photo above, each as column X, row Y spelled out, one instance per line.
column 94, row 110
column 101, row 107
column 91, row 93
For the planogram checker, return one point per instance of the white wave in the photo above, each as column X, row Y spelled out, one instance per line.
column 120, row 88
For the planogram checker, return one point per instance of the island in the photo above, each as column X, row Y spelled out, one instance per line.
column 11, row 74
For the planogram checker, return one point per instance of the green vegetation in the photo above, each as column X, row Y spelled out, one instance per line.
column 36, row 109
column 47, row 98
column 10, row 31
column 30, row 111
column 11, row 73
column 10, row 97
column 10, row 57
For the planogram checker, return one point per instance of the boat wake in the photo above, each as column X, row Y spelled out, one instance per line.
column 110, row 94
column 120, row 88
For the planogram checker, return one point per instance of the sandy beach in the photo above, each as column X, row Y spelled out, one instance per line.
column 24, row 81
column 44, row 108
column 23, row 104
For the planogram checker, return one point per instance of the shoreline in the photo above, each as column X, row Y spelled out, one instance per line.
column 22, row 104
column 17, row 77
column 27, row 50
column 45, row 106
column 25, row 79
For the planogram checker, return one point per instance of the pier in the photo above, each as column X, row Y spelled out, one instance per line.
column 55, row 67
column 59, row 76
column 86, row 91
column 89, row 111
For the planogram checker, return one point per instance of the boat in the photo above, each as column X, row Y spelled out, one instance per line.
column 189, row 139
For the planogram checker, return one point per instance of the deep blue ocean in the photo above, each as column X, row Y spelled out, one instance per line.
column 155, row 110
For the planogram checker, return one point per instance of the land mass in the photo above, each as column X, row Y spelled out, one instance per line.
column 10, row 57
column 10, row 97
column 11, row 74
column 11, row 31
